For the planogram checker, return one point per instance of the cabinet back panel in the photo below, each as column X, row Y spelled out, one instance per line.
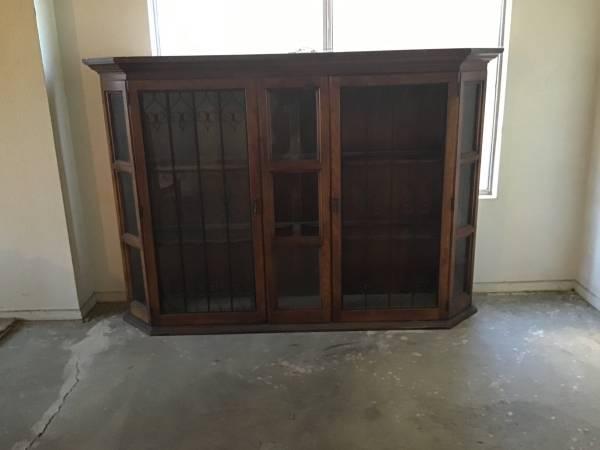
column 293, row 124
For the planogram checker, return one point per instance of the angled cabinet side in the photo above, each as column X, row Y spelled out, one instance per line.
column 466, row 189
column 126, row 185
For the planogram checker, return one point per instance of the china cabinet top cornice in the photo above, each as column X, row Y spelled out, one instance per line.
column 333, row 63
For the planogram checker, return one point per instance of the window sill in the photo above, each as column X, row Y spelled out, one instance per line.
column 488, row 196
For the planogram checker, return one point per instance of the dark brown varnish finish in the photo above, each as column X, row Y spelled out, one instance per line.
column 327, row 191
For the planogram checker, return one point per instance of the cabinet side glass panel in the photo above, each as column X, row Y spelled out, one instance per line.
column 464, row 201
column 462, row 252
column 470, row 99
column 127, row 201
column 136, row 274
column 118, row 125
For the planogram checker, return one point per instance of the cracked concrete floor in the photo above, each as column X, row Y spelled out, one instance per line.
column 524, row 373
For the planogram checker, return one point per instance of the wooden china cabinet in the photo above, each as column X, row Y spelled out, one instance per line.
column 299, row 191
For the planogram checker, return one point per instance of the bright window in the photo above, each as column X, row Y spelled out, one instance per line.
column 186, row 27
column 222, row 27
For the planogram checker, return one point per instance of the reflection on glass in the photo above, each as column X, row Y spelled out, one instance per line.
column 465, row 191
column 128, row 208
column 293, row 124
column 296, row 204
column 118, row 126
column 200, row 194
column 297, row 277
column 469, row 104
column 136, row 274
column 461, row 265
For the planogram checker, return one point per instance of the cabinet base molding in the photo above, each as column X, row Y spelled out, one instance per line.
column 299, row 327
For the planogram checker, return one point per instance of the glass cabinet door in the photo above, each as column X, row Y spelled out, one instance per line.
column 391, row 153
column 295, row 164
column 199, row 148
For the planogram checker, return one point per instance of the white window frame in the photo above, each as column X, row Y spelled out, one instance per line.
column 490, row 189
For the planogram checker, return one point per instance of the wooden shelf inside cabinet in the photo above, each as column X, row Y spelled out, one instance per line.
column 399, row 154
column 297, row 241
column 169, row 242
column 202, row 167
column 368, row 162
column 208, row 227
column 424, row 221
column 289, row 229
column 368, row 234
column 349, row 236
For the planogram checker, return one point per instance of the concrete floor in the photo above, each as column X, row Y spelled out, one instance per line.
column 524, row 373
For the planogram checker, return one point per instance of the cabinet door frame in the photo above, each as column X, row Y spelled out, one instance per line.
column 413, row 314
column 321, row 166
column 135, row 88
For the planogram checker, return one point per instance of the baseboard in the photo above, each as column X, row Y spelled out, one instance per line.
column 65, row 314
column 522, row 286
column 43, row 314
column 591, row 297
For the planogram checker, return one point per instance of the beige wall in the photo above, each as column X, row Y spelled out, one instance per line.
column 36, row 270
column 532, row 231
column 88, row 28
column 589, row 270
column 67, row 157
